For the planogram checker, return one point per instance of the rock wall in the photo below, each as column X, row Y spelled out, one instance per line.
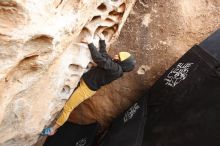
column 42, row 59
column 157, row 32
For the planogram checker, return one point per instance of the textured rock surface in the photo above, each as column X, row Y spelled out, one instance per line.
column 41, row 59
column 158, row 32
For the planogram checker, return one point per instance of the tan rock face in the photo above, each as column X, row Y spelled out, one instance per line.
column 42, row 59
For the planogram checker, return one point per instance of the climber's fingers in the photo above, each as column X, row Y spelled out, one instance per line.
column 87, row 39
column 83, row 41
column 101, row 36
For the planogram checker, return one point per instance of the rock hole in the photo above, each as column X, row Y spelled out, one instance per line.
column 115, row 18
column 74, row 68
column 25, row 69
column 115, row 27
column 100, row 29
column 109, row 20
column 102, row 7
column 111, row 29
column 39, row 43
column 84, row 34
column 121, row 8
column 105, row 33
column 113, row 13
column 116, row 15
column 95, row 18
column 28, row 63
column 108, row 33
column 44, row 38
column 12, row 15
column 66, row 89
column 85, row 31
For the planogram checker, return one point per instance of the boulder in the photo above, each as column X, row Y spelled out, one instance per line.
column 42, row 58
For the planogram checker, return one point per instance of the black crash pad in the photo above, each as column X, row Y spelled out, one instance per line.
column 73, row 135
column 127, row 129
column 184, row 104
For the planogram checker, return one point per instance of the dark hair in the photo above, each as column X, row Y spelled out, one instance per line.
column 128, row 64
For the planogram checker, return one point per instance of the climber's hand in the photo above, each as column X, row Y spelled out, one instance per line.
column 84, row 41
column 101, row 36
column 48, row 131
column 87, row 40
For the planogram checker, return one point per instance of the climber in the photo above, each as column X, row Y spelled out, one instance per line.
column 106, row 71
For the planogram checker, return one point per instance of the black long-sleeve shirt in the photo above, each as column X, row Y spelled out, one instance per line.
column 106, row 70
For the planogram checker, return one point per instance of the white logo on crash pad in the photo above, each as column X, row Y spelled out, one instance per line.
column 178, row 74
column 131, row 112
column 81, row 142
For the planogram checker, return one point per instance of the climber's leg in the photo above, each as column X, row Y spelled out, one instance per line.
column 79, row 95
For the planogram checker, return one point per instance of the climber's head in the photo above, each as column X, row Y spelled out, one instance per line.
column 126, row 61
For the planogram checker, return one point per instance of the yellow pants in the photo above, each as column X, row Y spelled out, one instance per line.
column 80, row 94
